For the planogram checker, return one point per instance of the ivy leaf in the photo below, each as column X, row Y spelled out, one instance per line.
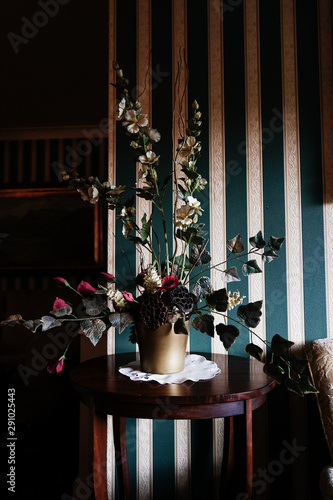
column 255, row 351
column 95, row 305
column 218, row 300
column 62, row 311
column 250, row 267
column 235, row 245
column 268, row 256
column 293, row 386
column 275, row 371
column 204, row 324
column 298, row 365
column 227, row 334
column 230, row 275
column 180, row 326
column 93, row 329
column 275, row 243
column 306, row 386
column 250, row 313
column 32, row 324
column 258, row 241
column 11, row 320
column 199, row 256
column 120, row 320
column 279, row 345
column 202, row 287
column 48, row 322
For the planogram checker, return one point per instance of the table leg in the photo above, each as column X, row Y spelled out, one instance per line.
column 249, row 447
column 119, row 436
column 228, row 458
column 97, row 458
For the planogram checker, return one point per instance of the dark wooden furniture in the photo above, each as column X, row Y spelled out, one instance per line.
column 237, row 391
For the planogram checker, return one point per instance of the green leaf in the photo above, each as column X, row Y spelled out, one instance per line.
column 235, row 245
column 48, row 322
column 275, row 371
column 93, row 329
column 218, row 300
column 250, row 313
column 179, row 262
column 258, row 241
column 120, row 320
column 275, row 243
column 268, row 256
column 298, row 365
column 230, row 275
column 255, row 351
column 145, row 229
column 250, row 267
column 190, row 234
column 145, row 193
column 227, row 334
column 279, row 345
column 204, row 324
column 180, row 326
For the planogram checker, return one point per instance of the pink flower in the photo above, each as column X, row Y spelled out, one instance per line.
column 139, row 280
column 168, row 283
column 85, row 289
column 128, row 296
column 108, row 277
column 57, row 367
column 61, row 282
column 59, row 304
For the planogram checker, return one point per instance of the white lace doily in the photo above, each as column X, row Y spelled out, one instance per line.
column 196, row 368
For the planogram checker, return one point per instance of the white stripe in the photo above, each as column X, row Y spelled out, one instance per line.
column 293, row 214
column 256, row 283
column 326, row 85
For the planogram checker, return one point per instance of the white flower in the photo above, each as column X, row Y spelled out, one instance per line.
column 234, row 299
column 153, row 134
column 117, row 298
column 143, row 172
column 202, row 184
column 152, row 280
column 134, row 122
column 194, row 204
column 183, row 216
column 149, row 158
column 128, row 226
column 121, row 109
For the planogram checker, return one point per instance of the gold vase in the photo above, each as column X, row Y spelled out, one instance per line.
column 161, row 351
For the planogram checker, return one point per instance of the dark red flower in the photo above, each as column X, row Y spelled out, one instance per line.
column 108, row 277
column 59, row 304
column 61, row 282
column 169, row 283
column 85, row 289
column 57, row 367
column 139, row 280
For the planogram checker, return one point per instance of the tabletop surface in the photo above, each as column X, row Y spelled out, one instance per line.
column 240, row 379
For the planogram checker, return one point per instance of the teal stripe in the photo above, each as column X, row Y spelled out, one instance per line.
column 311, row 171
column 235, row 144
column 198, row 89
column 163, row 431
column 274, row 220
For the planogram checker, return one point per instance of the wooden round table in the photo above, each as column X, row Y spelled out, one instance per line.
column 237, row 391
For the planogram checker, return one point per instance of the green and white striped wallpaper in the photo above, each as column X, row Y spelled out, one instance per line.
column 262, row 73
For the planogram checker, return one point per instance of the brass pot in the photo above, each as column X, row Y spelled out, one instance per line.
column 161, row 351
